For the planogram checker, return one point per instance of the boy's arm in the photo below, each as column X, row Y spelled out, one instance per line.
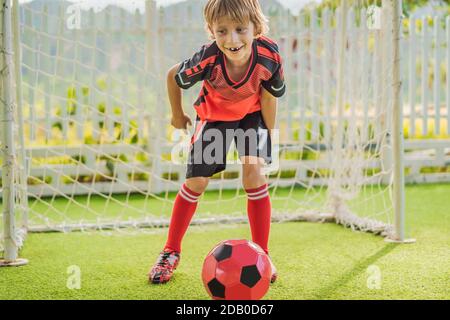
column 269, row 105
column 179, row 118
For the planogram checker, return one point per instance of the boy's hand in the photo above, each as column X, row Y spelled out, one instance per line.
column 181, row 122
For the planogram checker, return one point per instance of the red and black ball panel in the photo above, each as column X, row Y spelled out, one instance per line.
column 236, row 269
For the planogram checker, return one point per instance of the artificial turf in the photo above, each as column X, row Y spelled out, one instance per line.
column 314, row 261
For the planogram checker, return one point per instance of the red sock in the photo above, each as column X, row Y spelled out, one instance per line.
column 259, row 215
column 182, row 212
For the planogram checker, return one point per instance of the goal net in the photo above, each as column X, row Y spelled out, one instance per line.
column 96, row 150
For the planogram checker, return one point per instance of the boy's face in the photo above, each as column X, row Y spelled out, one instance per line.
column 234, row 38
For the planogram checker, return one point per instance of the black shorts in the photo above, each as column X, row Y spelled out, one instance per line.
column 211, row 141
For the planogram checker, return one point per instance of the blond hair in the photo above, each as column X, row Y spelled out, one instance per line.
column 241, row 11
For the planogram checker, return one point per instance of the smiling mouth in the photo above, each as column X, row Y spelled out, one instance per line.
column 235, row 49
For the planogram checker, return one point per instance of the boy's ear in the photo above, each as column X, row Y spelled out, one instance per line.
column 257, row 34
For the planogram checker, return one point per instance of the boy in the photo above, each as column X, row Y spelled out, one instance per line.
column 242, row 77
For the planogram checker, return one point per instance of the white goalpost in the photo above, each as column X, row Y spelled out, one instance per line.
column 86, row 136
column 13, row 192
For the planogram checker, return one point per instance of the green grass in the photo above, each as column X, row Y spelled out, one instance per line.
column 315, row 261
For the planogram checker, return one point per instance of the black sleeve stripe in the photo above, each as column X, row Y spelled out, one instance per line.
column 183, row 80
column 211, row 50
column 276, row 88
column 269, row 64
column 271, row 46
column 275, row 85
column 200, row 70
column 270, row 58
column 205, row 52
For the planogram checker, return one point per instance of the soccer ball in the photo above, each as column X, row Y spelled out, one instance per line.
column 236, row 270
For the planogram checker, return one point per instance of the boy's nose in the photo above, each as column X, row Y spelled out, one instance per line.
column 234, row 37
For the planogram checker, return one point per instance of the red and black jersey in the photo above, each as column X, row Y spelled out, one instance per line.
column 222, row 99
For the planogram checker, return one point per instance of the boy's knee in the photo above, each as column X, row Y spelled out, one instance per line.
column 197, row 184
column 252, row 177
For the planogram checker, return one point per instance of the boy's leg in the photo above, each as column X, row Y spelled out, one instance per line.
column 201, row 166
column 183, row 210
column 254, row 146
column 258, row 208
column 258, row 204
column 197, row 176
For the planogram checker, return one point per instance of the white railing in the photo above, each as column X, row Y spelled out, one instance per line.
column 425, row 66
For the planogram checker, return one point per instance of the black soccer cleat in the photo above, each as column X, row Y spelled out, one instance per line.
column 164, row 267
